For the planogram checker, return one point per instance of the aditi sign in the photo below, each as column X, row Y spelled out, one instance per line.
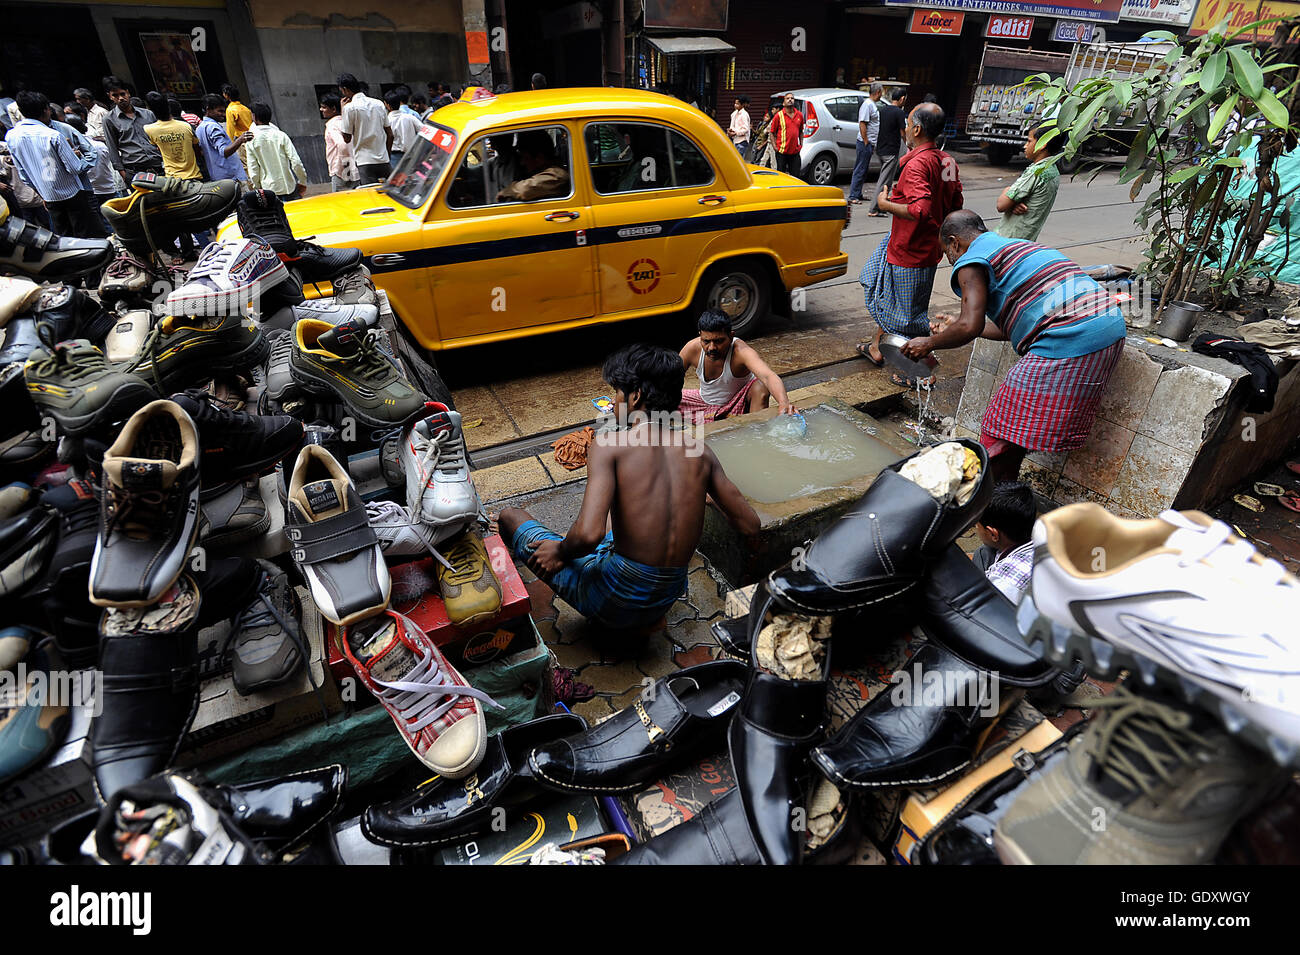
column 937, row 22
column 1009, row 28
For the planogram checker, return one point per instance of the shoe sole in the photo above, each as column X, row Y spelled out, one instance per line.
column 178, row 303
column 831, row 774
column 1102, row 658
column 128, row 398
column 549, row 783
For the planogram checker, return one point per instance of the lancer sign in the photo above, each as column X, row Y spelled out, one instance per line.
column 1101, row 11
column 937, row 22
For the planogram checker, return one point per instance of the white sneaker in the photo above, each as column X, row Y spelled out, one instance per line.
column 1181, row 598
column 397, row 533
column 440, row 493
column 228, row 279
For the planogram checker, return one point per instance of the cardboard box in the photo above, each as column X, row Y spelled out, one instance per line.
column 228, row 723
column 678, row 797
column 64, row 787
column 920, row 814
column 466, row 648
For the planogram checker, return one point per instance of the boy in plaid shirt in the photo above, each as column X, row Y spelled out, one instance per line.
column 1005, row 530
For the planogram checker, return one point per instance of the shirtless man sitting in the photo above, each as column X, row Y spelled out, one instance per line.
column 648, row 486
column 734, row 380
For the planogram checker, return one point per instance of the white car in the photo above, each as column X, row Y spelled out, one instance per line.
column 830, row 133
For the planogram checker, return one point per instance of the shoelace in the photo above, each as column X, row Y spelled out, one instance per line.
column 370, row 358
column 213, row 259
column 1218, row 546
column 445, row 453
column 124, row 264
column 59, row 365
column 153, row 508
column 150, row 347
column 461, row 555
column 424, row 696
column 388, row 514
column 1124, row 755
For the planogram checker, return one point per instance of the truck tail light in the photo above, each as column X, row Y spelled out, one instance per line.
column 810, row 122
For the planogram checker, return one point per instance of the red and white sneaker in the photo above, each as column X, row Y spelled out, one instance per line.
column 436, row 710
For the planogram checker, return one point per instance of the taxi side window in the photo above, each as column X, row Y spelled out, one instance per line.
column 524, row 165
column 636, row 157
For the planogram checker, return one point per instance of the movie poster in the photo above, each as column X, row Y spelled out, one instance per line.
column 173, row 64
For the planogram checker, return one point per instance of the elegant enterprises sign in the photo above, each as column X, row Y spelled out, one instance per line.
column 1101, row 11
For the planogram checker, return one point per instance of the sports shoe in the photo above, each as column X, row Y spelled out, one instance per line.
column 439, row 490
column 280, row 386
column 318, row 264
column 336, row 313
column 232, row 514
column 355, row 288
column 333, row 544
column 128, row 335
column 470, row 590
column 1148, row 783
column 149, row 507
column 397, row 533
column 64, row 591
column 228, row 279
column 1179, row 598
column 28, row 532
column 266, row 642
column 260, row 213
column 31, row 727
column 237, row 445
column 183, row 350
column 27, row 248
column 127, row 276
column 63, row 312
column 74, row 384
column 348, row 363
column 159, row 208
column 437, row 712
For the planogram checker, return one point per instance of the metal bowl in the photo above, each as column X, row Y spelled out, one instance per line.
column 891, row 348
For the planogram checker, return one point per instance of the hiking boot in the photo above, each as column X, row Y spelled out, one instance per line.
column 237, row 445
column 260, row 213
column 74, row 384
column 160, row 208
column 398, row 534
column 64, row 591
column 228, row 279
column 265, row 639
column 1148, row 783
column 63, row 312
column 28, row 532
column 438, row 714
column 183, row 350
column 470, row 591
column 232, row 514
column 27, row 248
column 127, row 276
column 333, row 544
column 31, row 725
column 440, row 493
column 355, row 288
column 337, row 313
column 1178, row 599
column 149, row 507
column 348, row 363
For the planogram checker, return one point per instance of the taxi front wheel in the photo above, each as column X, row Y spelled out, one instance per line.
column 741, row 289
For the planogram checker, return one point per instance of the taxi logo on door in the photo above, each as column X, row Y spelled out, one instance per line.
column 643, row 276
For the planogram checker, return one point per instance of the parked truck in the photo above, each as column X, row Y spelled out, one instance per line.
column 1002, row 111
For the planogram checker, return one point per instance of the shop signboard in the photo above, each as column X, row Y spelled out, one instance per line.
column 1074, row 31
column 1175, row 13
column 936, row 22
column 686, row 14
column 1100, row 11
column 1009, row 28
column 172, row 62
column 1240, row 13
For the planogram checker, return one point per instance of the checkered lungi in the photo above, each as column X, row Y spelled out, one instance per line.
column 1049, row 404
column 695, row 410
column 897, row 297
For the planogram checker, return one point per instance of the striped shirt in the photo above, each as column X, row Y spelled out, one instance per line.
column 1011, row 573
column 1044, row 303
column 46, row 162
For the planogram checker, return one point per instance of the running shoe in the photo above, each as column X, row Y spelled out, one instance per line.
column 237, row 445
column 228, row 279
column 159, row 208
column 75, row 385
column 266, row 643
column 347, row 362
column 181, row 351
column 470, row 589
column 440, row 493
column 398, row 534
column 40, row 254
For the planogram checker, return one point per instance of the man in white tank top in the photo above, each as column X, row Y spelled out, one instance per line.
column 734, row 380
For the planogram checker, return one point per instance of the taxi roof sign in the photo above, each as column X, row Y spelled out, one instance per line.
column 476, row 94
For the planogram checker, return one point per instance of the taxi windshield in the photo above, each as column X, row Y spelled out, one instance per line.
column 417, row 175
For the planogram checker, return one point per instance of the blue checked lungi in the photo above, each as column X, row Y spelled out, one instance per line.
column 898, row 298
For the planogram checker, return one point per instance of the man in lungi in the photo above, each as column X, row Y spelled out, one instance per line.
column 898, row 278
column 1066, row 328
column 734, row 380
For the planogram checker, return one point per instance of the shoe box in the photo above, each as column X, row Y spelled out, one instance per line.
column 227, row 722
column 62, row 788
column 415, row 594
column 924, row 810
column 678, row 796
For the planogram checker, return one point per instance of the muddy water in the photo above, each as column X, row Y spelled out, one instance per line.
column 771, row 463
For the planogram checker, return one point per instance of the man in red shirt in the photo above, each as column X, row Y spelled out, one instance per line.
column 898, row 278
column 787, row 133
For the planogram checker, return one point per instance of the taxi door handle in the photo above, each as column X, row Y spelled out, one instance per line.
column 711, row 200
column 562, row 215
column 388, row 258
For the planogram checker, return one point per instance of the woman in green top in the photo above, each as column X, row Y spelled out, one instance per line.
column 1026, row 203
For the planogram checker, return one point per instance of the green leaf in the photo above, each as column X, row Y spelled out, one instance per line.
column 1124, row 93
column 1190, row 78
column 1221, row 116
column 1249, row 76
column 1191, row 107
column 1160, row 36
column 1273, row 110
column 1083, row 124
column 1183, row 175
column 1216, row 68
column 1069, row 109
column 1236, row 162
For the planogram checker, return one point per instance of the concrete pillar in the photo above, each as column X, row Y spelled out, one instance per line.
column 476, row 43
column 249, row 49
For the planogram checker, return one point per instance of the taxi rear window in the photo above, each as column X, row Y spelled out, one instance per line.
column 417, row 175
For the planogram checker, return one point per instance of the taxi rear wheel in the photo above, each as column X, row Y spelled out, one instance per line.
column 741, row 289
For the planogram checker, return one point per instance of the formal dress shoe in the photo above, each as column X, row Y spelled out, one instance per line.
column 281, row 813
column 919, row 732
column 717, row 835
column 777, row 724
column 447, row 810
column 881, row 547
column 149, row 660
column 735, row 635
column 970, row 618
column 678, row 717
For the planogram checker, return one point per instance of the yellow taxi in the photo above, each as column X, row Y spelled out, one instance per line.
column 532, row 212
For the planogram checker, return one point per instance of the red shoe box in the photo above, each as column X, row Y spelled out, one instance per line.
column 415, row 595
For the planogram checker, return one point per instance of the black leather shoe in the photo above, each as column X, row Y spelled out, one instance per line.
column 448, row 810
column 907, row 738
column 735, row 635
column 717, row 835
column 679, row 717
column 777, row 724
column 149, row 660
column 971, row 619
column 881, row 547
column 283, row 812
